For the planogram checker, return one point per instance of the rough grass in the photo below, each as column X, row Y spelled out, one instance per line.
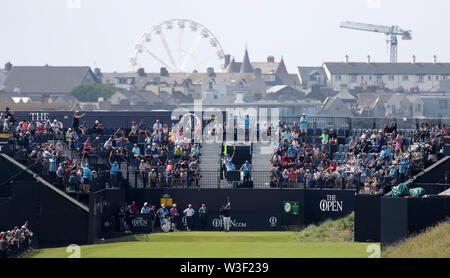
column 434, row 242
column 340, row 230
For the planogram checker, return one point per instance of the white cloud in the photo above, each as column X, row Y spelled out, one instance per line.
column 373, row 4
column 73, row 4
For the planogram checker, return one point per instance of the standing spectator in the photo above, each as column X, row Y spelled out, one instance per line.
column 3, row 246
column 202, row 215
column 76, row 121
column 153, row 216
column 134, row 208
column 87, row 178
column 131, row 210
column 246, row 169
column 189, row 212
column 145, row 209
column 52, row 168
column 137, row 154
column 162, row 212
column 304, row 124
column 114, row 173
column 174, row 217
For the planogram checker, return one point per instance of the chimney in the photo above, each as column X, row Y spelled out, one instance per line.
column 257, row 72
column 164, row 72
column 346, row 59
column 141, row 72
column 8, row 66
column 368, row 59
column 434, row 59
column 270, row 59
column 210, row 72
column 227, row 60
column 413, row 59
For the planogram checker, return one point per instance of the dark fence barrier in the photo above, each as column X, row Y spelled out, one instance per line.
column 55, row 219
column 96, row 205
column 392, row 219
column 261, row 204
column 123, row 119
column 367, row 218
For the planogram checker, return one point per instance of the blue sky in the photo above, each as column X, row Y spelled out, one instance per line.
column 103, row 32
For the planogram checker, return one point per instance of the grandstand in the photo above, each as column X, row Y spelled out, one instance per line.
column 115, row 158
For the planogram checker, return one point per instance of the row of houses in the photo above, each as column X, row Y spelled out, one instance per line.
column 335, row 89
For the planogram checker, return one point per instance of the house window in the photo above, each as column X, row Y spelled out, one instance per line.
column 420, row 78
column 370, row 77
column 362, row 77
column 211, row 84
column 418, row 108
column 391, row 78
column 338, row 77
column 353, row 78
column 443, row 104
column 437, row 77
column 405, row 77
column 429, row 78
column 379, row 77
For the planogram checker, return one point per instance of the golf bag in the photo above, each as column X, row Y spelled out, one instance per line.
column 166, row 225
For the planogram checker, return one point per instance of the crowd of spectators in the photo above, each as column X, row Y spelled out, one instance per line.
column 15, row 241
column 164, row 218
column 72, row 157
column 371, row 161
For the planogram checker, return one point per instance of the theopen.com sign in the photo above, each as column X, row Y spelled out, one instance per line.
column 218, row 223
column 331, row 204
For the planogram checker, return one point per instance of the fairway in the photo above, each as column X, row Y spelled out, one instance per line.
column 213, row 245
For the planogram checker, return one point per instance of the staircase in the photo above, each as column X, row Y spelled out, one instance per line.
column 261, row 155
column 209, row 164
column 131, row 175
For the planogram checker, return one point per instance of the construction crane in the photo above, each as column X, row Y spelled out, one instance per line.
column 392, row 31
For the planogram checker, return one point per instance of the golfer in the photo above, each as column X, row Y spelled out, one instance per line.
column 226, row 217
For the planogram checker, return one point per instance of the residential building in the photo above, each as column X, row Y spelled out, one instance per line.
column 394, row 76
column 33, row 81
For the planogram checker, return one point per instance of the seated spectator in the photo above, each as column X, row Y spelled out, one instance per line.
column 97, row 128
column 324, row 137
column 142, row 128
column 332, row 137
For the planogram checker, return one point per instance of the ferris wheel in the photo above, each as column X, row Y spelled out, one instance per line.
column 179, row 45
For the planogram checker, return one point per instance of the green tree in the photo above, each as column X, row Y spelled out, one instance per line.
column 90, row 92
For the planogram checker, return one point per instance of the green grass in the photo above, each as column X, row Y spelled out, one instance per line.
column 340, row 230
column 434, row 242
column 213, row 245
column 331, row 239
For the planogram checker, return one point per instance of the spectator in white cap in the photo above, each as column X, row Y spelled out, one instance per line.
column 189, row 212
column 145, row 209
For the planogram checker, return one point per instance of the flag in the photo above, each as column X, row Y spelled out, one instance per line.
column 225, row 149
